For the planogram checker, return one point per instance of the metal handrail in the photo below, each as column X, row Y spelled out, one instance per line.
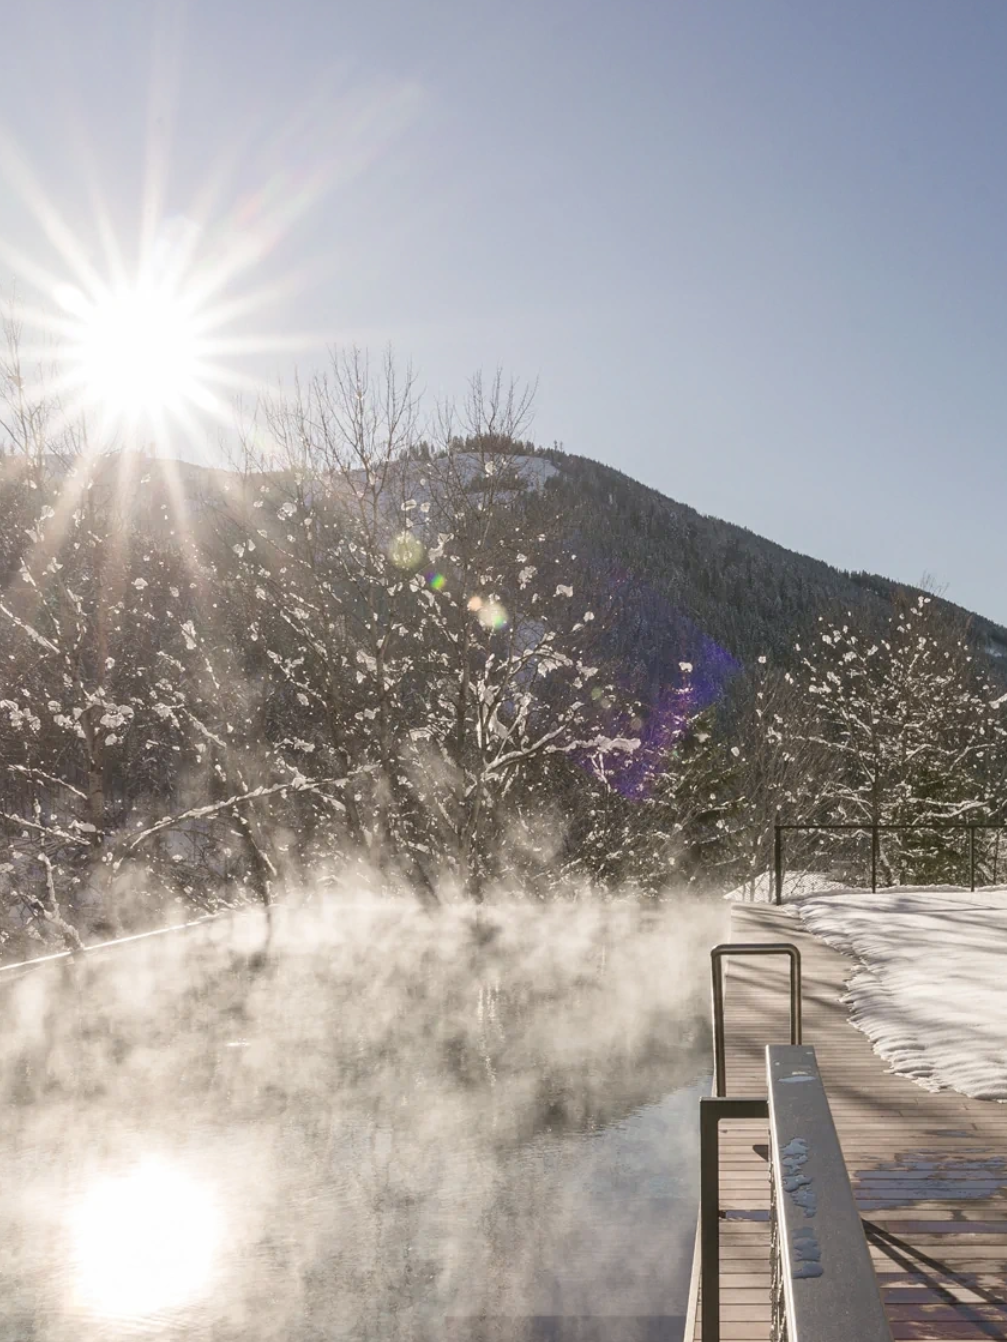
column 823, row 1284
column 717, row 957
column 823, row 1281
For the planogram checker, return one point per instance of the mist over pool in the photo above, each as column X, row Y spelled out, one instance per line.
column 367, row 1122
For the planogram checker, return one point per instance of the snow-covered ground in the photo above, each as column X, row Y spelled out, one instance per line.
column 930, row 986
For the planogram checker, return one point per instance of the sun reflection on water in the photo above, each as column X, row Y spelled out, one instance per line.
column 144, row 1241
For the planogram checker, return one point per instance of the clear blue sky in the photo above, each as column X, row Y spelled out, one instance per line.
column 755, row 252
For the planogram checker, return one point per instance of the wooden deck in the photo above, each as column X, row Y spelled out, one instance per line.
column 929, row 1171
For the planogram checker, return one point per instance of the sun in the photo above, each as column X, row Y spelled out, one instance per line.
column 135, row 352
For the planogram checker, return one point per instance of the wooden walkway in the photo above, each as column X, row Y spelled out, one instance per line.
column 929, row 1171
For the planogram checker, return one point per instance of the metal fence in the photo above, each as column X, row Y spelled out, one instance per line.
column 967, row 830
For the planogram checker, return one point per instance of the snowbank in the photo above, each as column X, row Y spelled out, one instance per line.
column 930, row 989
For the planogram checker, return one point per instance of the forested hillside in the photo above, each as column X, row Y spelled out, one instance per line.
column 470, row 665
column 747, row 593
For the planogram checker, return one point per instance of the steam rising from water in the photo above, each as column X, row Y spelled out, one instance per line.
column 377, row 1122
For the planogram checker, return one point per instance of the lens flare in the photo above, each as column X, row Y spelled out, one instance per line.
column 491, row 614
column 436, row 581
column 406, row 551
column 144, row 1241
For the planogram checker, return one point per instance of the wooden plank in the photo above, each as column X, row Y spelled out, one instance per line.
column 928, row 1170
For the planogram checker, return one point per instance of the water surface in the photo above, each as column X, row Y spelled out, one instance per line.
column 373, row 1124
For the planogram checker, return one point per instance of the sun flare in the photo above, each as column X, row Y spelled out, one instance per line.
column 135, row 352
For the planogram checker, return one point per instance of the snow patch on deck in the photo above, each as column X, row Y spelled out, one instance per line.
column 929, row 988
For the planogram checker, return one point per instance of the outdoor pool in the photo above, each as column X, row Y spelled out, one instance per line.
column 371, row 1123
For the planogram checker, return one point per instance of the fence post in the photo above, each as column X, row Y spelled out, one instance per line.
column 874, row 857
column 778, row 860
column 996, row 855
column 972, row 856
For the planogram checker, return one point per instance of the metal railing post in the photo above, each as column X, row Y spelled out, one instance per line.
column 996, row 855
column 874, row 856
column 709, row 1219
column 719, row 1046
column 711, row 1110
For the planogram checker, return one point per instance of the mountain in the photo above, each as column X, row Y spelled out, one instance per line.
column 746, row 594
